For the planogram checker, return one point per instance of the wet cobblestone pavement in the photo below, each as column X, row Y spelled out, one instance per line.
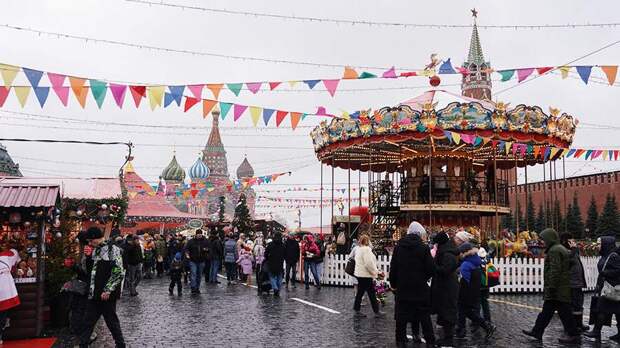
column 234, row 316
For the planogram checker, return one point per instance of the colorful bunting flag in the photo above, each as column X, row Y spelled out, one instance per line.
column 367, row 75
column 137, row 92
column 523, row 74
column 255, row 113
column 224, row 108
column 543, row 70
column 564, row 71
column 118, row 92
column 41, row 93
column 98, row 89
column 446, row 68
column 254, row 87
column 4, row 93
column 33, row 76
column 22, row 93
column 79, row 90
column 331, row 86
column 189, row 102
column 349, row 73
column 196, row 90
column 610, row 71
column 234, row 87
column 267, row 113
column 506, row 74
column 62, row 93
column 8, row 72
column 280, row 115
column 156, row 94
column 273, row 85
column 584, row 73
column 295, row 117
column 238, row 110
column 389, row 74
column 207, row 106
column 311, row 83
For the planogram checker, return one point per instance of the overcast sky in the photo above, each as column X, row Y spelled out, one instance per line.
column 356, row 45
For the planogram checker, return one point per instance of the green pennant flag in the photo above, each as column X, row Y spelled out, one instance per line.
column 98, row 89
column 367, row 75
column 235, row 87
column 506, row 74
column 224, row 108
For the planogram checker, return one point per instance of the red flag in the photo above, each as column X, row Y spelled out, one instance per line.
column 189, row 102
column 137, row 92
column 543, row 70
column 273, row 85
column 280, row 115
column 4, row 93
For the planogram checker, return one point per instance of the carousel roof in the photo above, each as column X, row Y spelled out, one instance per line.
column 174, row 171
column 416, row 128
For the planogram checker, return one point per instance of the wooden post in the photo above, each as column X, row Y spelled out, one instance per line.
column 544, row 196
column 430, row 185
column 516, row 197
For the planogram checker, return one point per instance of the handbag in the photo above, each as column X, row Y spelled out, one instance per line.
column 610, row 292
column 595, row 316
column 75, row 286
column 350, row 267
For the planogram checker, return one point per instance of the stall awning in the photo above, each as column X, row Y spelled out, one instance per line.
column 25, row 196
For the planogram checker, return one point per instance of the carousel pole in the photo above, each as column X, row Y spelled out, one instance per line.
column 516, row 188
column 564, row 192
column 369, row 181
column 333, row 166
column 527, row 199
column 551, row 196
column 430, row 185
column 349, row 189
column 495, row 189
column 544, row 195
column 359, row 186
column 321, row 209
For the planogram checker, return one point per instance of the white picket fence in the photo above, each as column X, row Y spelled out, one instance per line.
column 517, row 275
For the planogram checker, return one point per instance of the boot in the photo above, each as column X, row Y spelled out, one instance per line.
column 489, row 328
column 566, row 339
column 579, row 323
column 448, row 337
column 532, row 334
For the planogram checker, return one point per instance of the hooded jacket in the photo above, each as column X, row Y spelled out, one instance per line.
column 445, row 285
column 611, row 255
column 292, row 250
column 310, row 247
column 274, row 255
column 557, row 268
column 411, row 268
column 469, row 290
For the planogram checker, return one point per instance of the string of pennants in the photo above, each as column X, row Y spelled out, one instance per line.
column 306, row 189
column 543, row 151
column 306, row 200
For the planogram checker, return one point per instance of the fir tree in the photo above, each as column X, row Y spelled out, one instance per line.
column 557, row 216
column 519, row 217
column 574, row 223
column 540, row 224
column 608, row 222
column 530, row 213
column 507, row 221
column 243, row 221
column 220, row 216
column 592, row 219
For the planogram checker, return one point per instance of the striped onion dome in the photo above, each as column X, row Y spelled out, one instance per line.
column 198, row 170
column 174, row 171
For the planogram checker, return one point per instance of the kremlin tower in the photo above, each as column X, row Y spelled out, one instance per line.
column 477, row 83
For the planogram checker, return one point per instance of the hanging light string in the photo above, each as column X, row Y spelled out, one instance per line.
column 373, row 23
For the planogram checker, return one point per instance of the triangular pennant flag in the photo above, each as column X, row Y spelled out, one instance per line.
column 578, row 153
column 610, row 71
column 506, row 74
column 98, row 89
column 168, row 99
column 605, row 155
column 554, row 151
column 41, row 93
column 547, row 153
column 4, row 93
column 456, row 137
column 616, row 152
column 280, row 115
column 62, row 93
column 588, row 153
column 80, row 92
column 238, row 110
column 33, row 76
column 156, row 94
column 254, row 87
column 177, row 93
column 446, row 68
column 293, row 83
column 331, row 86
column 255, row 112
column 522, row 149
column 22, row 93
column 118, row 92
column 303, row 116
column 224, row 108
column 508, row 146
column 543, row 70
column 596, row 154
column 564, row 71
column 367, row 75
column 56, row 80
column 523, row 74
column 295, row 117
column 349, row 73
column 215, row 88
column 485, row 141
column 584, row 73
column 235, row 87
column 8, row 73
column 311, row 83
column 448, row 135
column 273, row 85
column 536, row 150
column 408, row 74
column 570, row 153
column 515, row 146
column 390, row 73
column 196, row 90
column 189, row 102
column 207, row 106
column 267, row 113
column 137, row 92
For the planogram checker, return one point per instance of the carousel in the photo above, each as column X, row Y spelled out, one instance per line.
column 443, row 166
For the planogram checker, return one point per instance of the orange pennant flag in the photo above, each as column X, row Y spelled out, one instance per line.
column 295, row 117
column 79, row 90
column 215, row 89
column 611, row 71
column 349, row 73
column 207, row 106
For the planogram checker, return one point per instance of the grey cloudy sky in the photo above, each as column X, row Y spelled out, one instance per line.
column 356, row 45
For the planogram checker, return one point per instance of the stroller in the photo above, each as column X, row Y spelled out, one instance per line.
column 262, row 279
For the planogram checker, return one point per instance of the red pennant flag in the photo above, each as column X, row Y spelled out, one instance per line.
column 543, row 70
column 4, row 93
column 273, row 85
column 616, row 154
column 189, row 102
column 280, row 115
column 295, row 117
column 207, row 106
column 578, row 153
column 137, row 92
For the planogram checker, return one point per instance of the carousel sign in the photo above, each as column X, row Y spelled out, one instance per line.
column 195, row 223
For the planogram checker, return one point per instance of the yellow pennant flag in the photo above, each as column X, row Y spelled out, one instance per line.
column 292, row 83
column 605, row 153
column 456, row 137
column 22, row 93
column 564, row 70
column 610, row 71
column 485, row 141
column 8, row 73
column 554, row 151
column 156, row 93
column 255, row 113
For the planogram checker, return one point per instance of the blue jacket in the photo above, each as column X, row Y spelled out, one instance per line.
column 230, row 251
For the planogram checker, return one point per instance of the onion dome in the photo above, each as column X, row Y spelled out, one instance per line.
column 198, row 170
column 245, row 170
column 173, row 172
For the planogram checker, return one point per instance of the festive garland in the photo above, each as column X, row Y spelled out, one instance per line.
column 113, row 209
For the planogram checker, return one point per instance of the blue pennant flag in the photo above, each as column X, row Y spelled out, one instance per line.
column 570, row 153
column 446, row 68
column 34, row 76
column 41, row 93
column 448, row 135
column 267, row 113
column 168, row 99
column 584, row 73
column 311, row 83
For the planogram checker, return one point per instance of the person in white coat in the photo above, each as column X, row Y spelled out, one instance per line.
column 366, row 272
column 8, row 292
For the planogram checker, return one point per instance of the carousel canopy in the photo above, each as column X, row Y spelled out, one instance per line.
column 383, row 139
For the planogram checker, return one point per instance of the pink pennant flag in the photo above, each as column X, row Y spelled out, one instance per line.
column 390, row 74
column 196, row 90
column 523, row 74
column 57, row 80
column 118, row 91
column 331, row 86
column 462, row 71
column 62, row 93
column 523, row 148
column 4, row 93
column 273, row 85
column 254, row 87
column 238, row 110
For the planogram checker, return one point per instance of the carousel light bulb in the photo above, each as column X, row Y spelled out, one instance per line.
column 104, row 206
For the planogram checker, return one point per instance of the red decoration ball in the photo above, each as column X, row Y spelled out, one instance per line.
column 434, row 81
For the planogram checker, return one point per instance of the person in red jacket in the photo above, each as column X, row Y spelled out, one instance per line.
column 311, row 252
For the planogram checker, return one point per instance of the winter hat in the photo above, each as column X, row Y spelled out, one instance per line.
column 465, row 247
column 94, row 233
column 482, row 253
column 417, row 229
column 464, row 236
column 441, row 238
column 177, row 256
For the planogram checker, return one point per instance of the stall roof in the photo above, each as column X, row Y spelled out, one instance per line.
column 75, row 188
column 28, row 195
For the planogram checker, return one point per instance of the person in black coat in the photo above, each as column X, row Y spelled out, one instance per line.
column 274, row 255
column 216, row 254
column 291, row 254
column 132, row 259
column 577, row 280
column 411, row 268
column 445, row 286
column 197, row 251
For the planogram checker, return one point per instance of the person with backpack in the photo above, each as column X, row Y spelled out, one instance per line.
column 197, row 251
column 291, row 256
column 341, row 240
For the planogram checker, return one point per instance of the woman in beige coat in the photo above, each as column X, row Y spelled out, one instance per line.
column 365, row 272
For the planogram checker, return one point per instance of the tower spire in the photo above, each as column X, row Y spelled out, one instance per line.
column 477, row 82
column 475, row 48
column 214, row 154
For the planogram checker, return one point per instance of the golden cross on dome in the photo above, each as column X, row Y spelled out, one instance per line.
column 474, row 13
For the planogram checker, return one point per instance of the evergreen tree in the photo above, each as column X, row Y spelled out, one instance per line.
column 220, row 216
column 521, row 220
column 557, row 216
column 540, row 224
column 574, row 223
column 592, row 219
column 530, row 213
column 507, row 221
column 242, row 220
column 608, row 221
